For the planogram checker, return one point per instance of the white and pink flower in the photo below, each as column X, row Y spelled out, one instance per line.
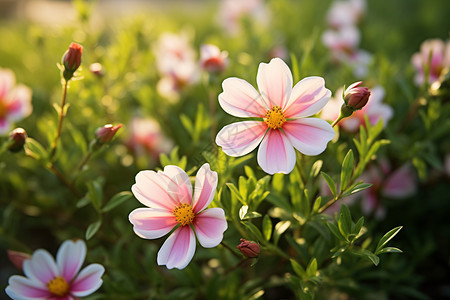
column 15, row 101
column 375, row 110
column 434, row 55
column 171, row 205
column 60, row 280
column 213, row 60
column 347, row 12
column 279, row 117
column 232, row 11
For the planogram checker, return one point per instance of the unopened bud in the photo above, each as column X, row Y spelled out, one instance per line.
column 71, row 60
column 17, row 139
column 355, row 96
column 17, row 258
column 106, row 133
column 249, row 249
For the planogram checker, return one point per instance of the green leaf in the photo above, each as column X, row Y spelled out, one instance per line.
column 34, row 149
column 95, row 193
column 347, row 169
column 280, row 228
column 92, row 229
column 315, row 169
column 312, row 268
column 267, row 227
column 317, row 204
column 330, row 183
column 255, row 232
column 243, row 187
column 357, row 228
column 390, row 250
column 335, row 231
column 298, row 269
column 357, row 188
column 387, row 237
column 244, row 214
column 236, row 193
column 345, row 221
column 372, row 257
column 116, row 200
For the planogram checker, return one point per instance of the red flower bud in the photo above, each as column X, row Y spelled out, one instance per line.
column 17, row 258
column 355, row 96
column 249, row 249
column 72, row 60
column 17, row 139
column 106, row 133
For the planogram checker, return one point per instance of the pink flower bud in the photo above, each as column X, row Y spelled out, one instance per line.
column 212, row 59
column 17, row 258
column 72, row 60
column 106, row 133
column 249, row 249
column 355, row 96
column 17, row 139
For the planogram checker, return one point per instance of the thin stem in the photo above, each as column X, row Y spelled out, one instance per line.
column 329, row 203
column 84, row 161
column 231, row 250
column 51, row 168
column 61, row 116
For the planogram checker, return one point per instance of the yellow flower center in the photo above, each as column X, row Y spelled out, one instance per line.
column 275, row 118
column 184, row 214
column 58, row 286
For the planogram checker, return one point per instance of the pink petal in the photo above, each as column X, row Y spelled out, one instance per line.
column 152, row 223
column 209, row 227
column 205, row 188
column 400, row 183
column 241, row 99
column 308, row 97
column 70, row 257
column 41, row 267
column 5, row 126
column 240, row 138
column 151, row 190
column 24, row 288
column 20, row 105
column 7, row 81
column 275, row 82
column 309, row 135
column 179, row 186
column 88, row 280
column 276, row 154
column 178, row 250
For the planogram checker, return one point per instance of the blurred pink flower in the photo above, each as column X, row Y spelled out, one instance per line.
column 435, row 55
column 374, row 109
column 47, row 279
column 177, row 65
column 386, row 183
column 147, row 138
column 15, row 101
column 347, row 12
column 168, row 195
column 213, row 60
column 281, row 113
column 232, row 11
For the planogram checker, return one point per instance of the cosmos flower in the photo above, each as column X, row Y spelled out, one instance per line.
column 374, row 109
column 15, row 101
column 232, row 11
column 279, row 117
column 347, row 12
column 60, row 280
column 172, row 207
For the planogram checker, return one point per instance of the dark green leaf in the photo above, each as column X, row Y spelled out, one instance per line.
column 387, row 237
column 92, row 229
column 347, row 169
column 330, row 183
column 267, row 227
column 116, row 200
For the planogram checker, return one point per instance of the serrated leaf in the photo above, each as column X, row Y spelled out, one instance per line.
column 116, row 200
column 347, row 169
column 330, row 183
column 387, row 237
column 92, row 229
column 267, row 227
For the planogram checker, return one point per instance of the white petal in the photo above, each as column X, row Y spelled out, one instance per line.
column 70, row 257
column 178, row 250
column 41, row 267
column 152, row 223
column 26, row 289
column 180, row 186
column 275, row 82
column 240, row 138
column 276, row 154
column 88, row 281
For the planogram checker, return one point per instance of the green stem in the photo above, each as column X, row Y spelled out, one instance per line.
column 230, row 249
column 61, row 117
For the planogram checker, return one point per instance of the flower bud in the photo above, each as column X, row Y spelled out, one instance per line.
column 17, row 258
column 17, row 139
column 355, row 96
column 106, row 133
column 249, row 249
column 71, row 60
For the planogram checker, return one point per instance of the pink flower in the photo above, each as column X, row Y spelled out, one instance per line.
column 232, row 11
column 435, row 55
column 171, row 205
column 386, row 183
column 280, row 111
column 345, row 39
column 375, row 109
column 47, row 279
column 15, row 101
column 147, row 138
column 344, row 13
column 212, row 59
